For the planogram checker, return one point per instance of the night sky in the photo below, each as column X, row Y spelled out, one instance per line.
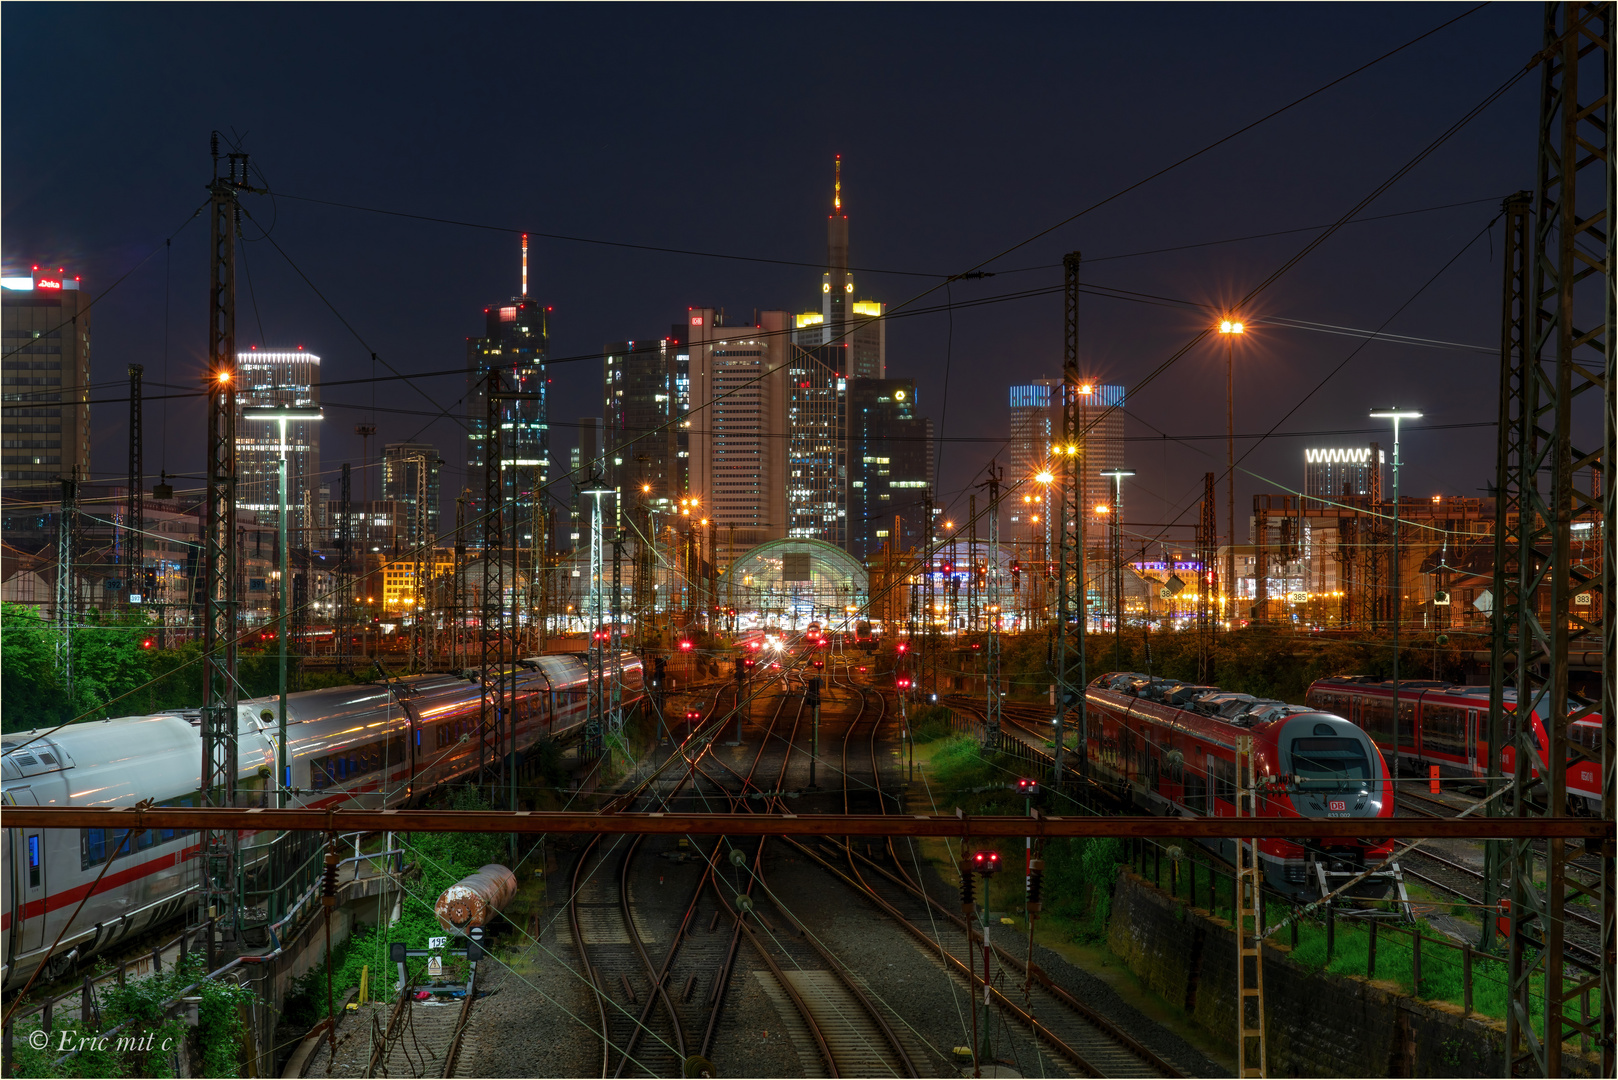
column 964, row 130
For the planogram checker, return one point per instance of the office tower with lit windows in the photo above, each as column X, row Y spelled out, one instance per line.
column 405, row 465
column 815, row 430
column 889, row 466
column 1036, row 430
column 738, row 421
column 587, row 466
column 516, row 344
column 646, row 394
column 856, row 330
column 269, row 378
column 46, row 376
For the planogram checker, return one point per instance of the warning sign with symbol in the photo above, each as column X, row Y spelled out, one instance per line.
column 435, row 967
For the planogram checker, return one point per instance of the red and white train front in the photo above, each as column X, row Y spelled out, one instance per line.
column 1170, row 748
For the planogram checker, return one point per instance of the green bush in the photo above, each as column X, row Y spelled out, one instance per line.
column 435, row 861
column 139, row 1005
column 930, row 722
column 1079, row 876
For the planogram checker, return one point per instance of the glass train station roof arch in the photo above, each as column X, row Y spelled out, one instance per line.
column 793, row 581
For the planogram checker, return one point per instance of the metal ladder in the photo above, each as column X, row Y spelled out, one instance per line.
column 1251, row 1053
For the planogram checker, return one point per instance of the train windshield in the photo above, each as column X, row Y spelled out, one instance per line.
column 1332, row 764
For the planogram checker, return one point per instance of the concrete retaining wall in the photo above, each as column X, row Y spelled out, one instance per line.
column 1318, row 1024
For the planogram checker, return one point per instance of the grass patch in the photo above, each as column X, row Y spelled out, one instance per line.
column 1443, row 976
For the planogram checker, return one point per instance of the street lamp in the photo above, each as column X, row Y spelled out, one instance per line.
column 1117, row 477
column 1230, row 329
column 281, row 414
column 1396, row 415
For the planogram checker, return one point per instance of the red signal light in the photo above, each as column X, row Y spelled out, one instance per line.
column 1027, row 786
column 904, row 647
column 985, row 862
column 902, row 683
column 147, row 643
column 685, row 646
column 693, row 716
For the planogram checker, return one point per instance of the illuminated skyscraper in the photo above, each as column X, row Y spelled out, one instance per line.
column 47, row 379
column 402, row 473
column 1036, row 429
column 646, row 393
column 516, row 343
column 857, row 329
column 270, row 378
column 889, row 465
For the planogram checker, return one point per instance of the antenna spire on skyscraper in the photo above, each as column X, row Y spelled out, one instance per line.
column 525, row 264
column 837, row 189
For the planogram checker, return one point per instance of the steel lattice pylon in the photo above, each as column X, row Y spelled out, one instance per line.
column 1555, row 372
column 596, row 705
column 345, row 572
column 457, row 633
column 1207, row 578
column 1506, row 596
column 991, row 725
column 67, row 592
column 491, row 622
column 219, row 766
column 421, row 631
column 135, row 496
column 1068, row 692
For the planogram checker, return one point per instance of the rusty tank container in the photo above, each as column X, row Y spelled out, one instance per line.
column 475, row 899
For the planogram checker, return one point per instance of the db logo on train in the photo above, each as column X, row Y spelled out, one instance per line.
column 1338, row 804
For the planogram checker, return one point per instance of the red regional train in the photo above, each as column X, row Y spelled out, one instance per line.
column 375, row 746
column 1444, row 725
column 1170, row 748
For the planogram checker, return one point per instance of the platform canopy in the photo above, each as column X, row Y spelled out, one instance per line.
column 791, row 582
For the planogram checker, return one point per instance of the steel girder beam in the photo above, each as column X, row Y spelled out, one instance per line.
column 335, row 819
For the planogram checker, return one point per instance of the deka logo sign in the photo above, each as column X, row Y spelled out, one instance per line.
column 1352, row 456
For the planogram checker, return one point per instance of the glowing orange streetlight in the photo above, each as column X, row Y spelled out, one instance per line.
column 1230, row 329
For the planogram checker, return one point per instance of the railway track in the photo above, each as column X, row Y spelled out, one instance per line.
column 849, row 1032
column 1091, row 1043
column 425, row 1039
column 637, row 998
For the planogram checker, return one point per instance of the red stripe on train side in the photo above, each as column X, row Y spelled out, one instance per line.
column 35, row 908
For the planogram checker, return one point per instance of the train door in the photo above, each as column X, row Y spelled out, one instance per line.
column 29, row 882
column 1478, row 762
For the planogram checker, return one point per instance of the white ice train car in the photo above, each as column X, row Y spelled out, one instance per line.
column 374, row 745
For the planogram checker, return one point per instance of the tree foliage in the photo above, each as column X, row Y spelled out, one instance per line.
column 114, row 673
